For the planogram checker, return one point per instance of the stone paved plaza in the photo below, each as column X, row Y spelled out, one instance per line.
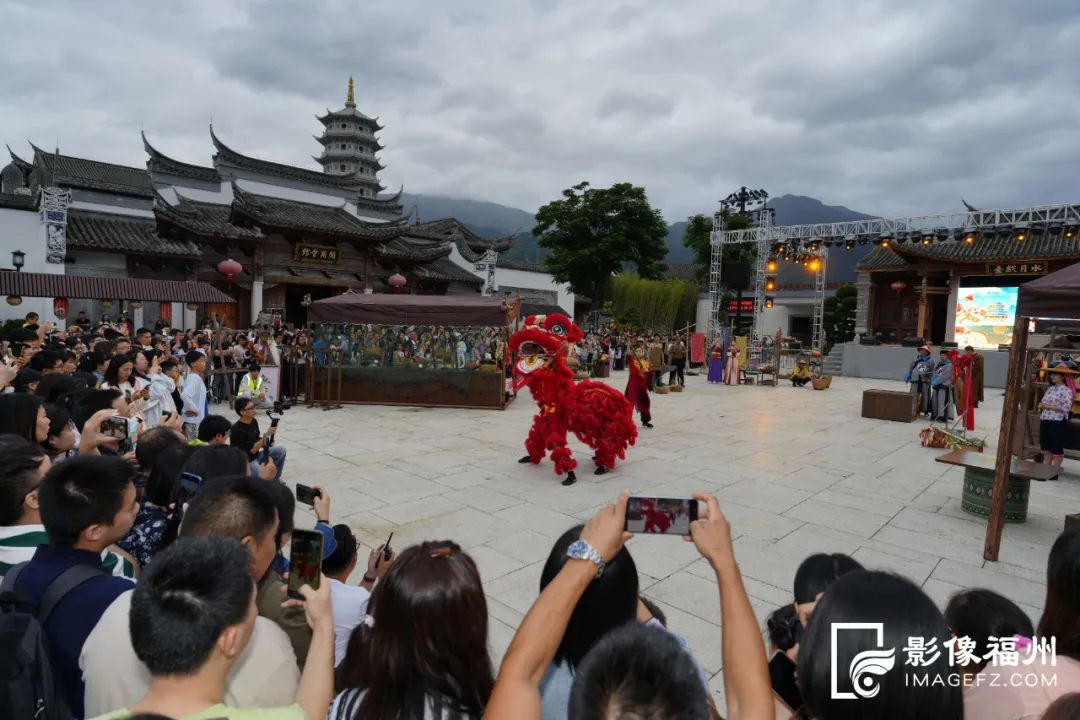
column 796, row 471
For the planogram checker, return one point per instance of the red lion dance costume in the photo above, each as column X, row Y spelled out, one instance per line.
column 596, row 413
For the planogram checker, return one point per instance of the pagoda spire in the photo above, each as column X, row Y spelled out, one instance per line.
column 350, row 100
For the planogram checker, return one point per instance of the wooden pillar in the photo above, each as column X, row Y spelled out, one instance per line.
column 921, row 331
column 1011, row 412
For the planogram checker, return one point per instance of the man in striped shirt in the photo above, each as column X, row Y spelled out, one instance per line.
column 22, row 466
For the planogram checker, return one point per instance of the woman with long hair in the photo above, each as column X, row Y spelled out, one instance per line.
column 422, row 653
column 120, row 375
column 157, row 522
column 903, row 611
column 24, row 415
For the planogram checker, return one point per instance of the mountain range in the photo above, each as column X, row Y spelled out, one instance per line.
column 491, row 220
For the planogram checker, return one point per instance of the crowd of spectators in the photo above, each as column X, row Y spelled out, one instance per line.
column 158, row 576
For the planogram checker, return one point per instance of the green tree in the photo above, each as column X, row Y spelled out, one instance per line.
column 654, row 305
column 839, row 317
column 593, row 233
column 698, row 233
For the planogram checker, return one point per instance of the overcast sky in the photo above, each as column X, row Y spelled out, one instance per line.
column 882, row 106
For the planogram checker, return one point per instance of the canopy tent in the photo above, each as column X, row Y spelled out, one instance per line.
column 392, row 309
column 1056, row 295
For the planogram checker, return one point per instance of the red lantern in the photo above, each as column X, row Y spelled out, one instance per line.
column 398, row 281
column 165, row 311
column 60, row 307
column 229, row 268
column 899, row 286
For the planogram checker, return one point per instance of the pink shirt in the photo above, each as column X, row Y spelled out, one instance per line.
column 993, row 702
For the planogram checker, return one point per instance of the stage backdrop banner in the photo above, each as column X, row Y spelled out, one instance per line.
column 697, row 348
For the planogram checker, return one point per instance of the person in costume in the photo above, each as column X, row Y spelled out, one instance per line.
column 1055, row 407
column 978, row 364
column 731, row 370
column 919, row 376
column 941, row 388
column 800, row 374
column 716, row 362
column 598, row 414
column 638, row 384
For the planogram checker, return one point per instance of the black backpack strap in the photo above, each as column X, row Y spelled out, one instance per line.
column 11, row 577
column 64, row 583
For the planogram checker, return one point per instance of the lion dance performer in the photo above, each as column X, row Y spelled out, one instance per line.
column 596, row 413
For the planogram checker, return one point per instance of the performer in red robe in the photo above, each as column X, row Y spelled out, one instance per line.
column 637, row 386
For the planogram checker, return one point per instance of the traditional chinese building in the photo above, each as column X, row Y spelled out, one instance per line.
column 297, row 234
column 911, row 290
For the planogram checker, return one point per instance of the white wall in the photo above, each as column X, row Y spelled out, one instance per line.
column 22, row 230
column 520, row 279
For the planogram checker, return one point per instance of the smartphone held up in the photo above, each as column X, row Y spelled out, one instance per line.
column 659, row 515
column 305, row 561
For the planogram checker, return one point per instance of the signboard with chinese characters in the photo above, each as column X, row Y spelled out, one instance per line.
column 317, row 254
column 1017, row 267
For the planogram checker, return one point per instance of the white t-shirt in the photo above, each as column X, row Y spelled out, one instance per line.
column 349, row 604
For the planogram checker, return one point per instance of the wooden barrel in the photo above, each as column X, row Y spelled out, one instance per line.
column 978, row 486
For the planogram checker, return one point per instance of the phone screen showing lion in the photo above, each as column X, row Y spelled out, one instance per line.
column 661, row 516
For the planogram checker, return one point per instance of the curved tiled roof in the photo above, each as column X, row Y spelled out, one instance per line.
column 409, row 249
column 471, row 246
column 202, row 218
column 446, row 271
column 18, row 201
column 883, row 259
column 73, row 172
column 352, row 181
column 348, row 113
column 983, row 250
column 123, row 233
column 47, row 285
column 160, row 162
column 521, row 265
column 294, row 214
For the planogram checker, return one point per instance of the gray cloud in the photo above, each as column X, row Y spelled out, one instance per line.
column 881, row 106
column 634, row 104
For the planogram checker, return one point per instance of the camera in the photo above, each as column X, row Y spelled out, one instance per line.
column 280, row 406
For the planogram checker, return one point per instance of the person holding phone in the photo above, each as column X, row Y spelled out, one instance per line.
column 350, row 602
column 246, row 435
column 658, row 670
column 120, row 375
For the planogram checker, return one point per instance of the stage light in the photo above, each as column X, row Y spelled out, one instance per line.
column 770, row 284
column 814, row 265
column 942, row 234
column 1069, row 232
column 884, row 242
column 969, row 238
column 813, row 246
column 771, row 265
column 849, row 245
column 768, row 303
column 927, row 239
column 1021, row 232
column 1055, row 228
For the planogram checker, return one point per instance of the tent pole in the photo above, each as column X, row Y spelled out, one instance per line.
column 1009, row 412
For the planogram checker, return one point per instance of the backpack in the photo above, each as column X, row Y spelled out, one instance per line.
column 27, row 686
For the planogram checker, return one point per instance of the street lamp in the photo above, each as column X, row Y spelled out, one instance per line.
column 18, row 259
